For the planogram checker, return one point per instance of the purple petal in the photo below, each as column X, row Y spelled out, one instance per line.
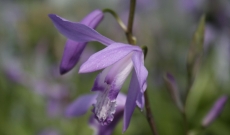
column 93, row 19
column 99, row 83
column 77, row 31
column 80, row 105
column 114, row 75
column 130, row 104
column 73, row 49
column 215, row 111
column 141, row 71
column 71, row 55
column 117, row 75
column 121, row 98
column 105, row 106
column 140, row 100
column 107, row 57
column 108, row 129
column 120, row 70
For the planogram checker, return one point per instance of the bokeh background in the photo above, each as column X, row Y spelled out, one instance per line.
column 34, row 96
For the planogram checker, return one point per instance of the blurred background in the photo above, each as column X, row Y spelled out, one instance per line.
column 34, row 96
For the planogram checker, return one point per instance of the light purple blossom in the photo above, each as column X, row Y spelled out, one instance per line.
column 82, row 104
column 117, row 61
column 215, row 111
column 73, row 49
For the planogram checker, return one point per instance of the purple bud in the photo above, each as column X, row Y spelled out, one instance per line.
column 215, row 111
column 173, row 89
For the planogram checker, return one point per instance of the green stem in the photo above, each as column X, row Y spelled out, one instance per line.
column 132, row 40
column 114, row 14
column 129, row 32
column 149, row 115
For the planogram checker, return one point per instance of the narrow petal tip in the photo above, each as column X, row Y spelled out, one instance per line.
column 123, row 130
column 52, row 16
column 82, row 70
column 63, row 70
column 77, row 31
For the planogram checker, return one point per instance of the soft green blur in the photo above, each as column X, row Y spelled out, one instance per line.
column 31, row 48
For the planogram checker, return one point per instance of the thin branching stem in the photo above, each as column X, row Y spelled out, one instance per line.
column 132, row 40
column 118, row 19
column 129, row 32
column 149, row 115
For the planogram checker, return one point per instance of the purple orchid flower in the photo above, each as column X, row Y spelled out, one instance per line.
column 73, row 49
column 82, row 104
column 117, row 60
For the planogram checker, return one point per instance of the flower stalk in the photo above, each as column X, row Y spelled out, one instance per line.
column 118, row 19
column 149, row 115
column 129, row 32
column 132, row 40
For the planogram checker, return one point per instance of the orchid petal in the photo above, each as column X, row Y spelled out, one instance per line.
column 77, row 31
column 120, row 70
column 71, row 55
column 140, row 100
column 141, row 71
column 80, row 105
column 117, row 75
column 130, row 104
column 93, row 19
column 99, row 83
column 108, row 129
column 121, row 98
column 73, row 49
column 105, row 106
column 107, row 57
